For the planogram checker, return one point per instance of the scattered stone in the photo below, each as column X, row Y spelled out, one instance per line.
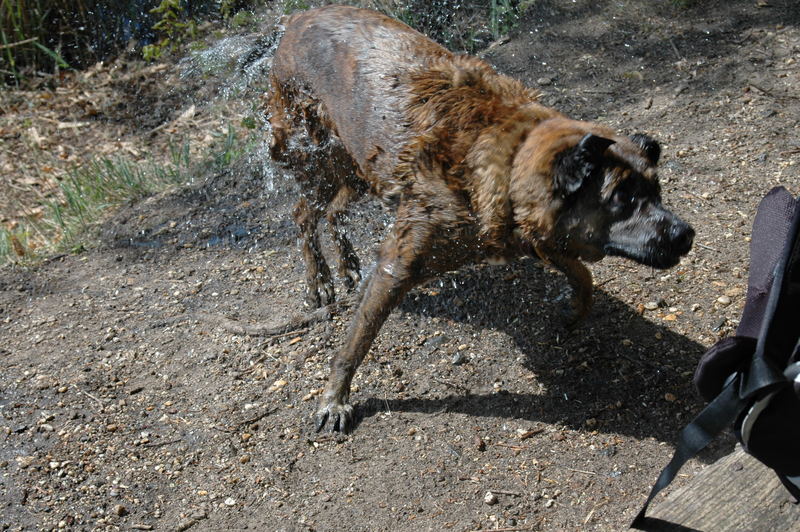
column 490, row 498
column 120, row 510
column 25, row 461
column 277, row 385
column 651, row 305
column 458, row 359
column 670, row 397
column 230, row 501
column 544, row 81
column 723, row 301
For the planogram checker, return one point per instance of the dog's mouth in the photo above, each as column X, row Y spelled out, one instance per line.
column 654, row 257
column 659, row 248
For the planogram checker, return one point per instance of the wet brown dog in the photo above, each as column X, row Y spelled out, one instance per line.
column 473, row 166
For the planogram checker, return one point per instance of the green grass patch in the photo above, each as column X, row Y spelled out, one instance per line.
column 88, row 192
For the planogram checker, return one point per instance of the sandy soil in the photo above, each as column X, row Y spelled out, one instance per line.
column 128, row 403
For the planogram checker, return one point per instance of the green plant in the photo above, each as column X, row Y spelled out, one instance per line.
column 290, row 6
column 87, row 193
column 171, row 26
column 503, row 16
column 23, row 26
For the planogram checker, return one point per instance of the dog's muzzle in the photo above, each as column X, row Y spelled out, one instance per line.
column 658, row 240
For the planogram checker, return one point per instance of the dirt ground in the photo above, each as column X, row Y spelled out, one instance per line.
column 129, row 404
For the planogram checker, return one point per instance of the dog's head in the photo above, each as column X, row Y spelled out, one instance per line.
column 596, row 194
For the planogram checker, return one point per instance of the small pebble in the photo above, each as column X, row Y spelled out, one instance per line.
column 724, row 301
column 651, row 305
column 230, row 502
column 490, row 498
column 458, row 359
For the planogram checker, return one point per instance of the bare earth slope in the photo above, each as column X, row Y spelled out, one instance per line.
column 128, row 402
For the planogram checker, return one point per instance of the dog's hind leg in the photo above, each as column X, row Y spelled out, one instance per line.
column 348, row 265
column 319, row 286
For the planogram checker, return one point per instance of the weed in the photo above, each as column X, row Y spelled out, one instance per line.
column 88, row 192
column 172, row 26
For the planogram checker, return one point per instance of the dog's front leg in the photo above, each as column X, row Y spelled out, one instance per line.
column 396, row 272
column 579, row 278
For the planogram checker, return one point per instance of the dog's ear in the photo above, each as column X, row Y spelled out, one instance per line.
column 578, row 163
column 649, row 146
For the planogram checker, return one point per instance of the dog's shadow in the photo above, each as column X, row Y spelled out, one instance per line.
column 618, row 371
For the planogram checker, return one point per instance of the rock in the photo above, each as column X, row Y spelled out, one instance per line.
column 490, row 498
column 544, row 81
column 230, row 501
column 277, row 385
column 723, row 301
column 25, row 461
column 458, row 359
column 651, row 305
column 120, row 510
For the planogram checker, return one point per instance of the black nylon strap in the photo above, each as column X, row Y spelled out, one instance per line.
column 714, row 418
column 768, row 302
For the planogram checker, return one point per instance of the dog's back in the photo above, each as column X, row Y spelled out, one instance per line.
column 349, row 61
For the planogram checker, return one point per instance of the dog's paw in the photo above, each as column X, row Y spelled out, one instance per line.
column 320, row 294
column 351, row 278
column 336, row 415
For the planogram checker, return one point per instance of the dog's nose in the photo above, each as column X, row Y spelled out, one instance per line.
column 681, row 236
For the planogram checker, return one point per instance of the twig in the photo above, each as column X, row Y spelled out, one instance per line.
column 515, row 447
column 675, row 49
column 18, row 43
column 698, row 244
column 162, row 443
column 512, row 529
column 259, row 417
column 505, row 492
column 232, row 429
column 90, row 396
column 581, row 471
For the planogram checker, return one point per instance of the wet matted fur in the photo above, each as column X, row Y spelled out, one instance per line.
column 472, row 165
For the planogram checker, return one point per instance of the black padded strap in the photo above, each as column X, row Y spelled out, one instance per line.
column 716, row 417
